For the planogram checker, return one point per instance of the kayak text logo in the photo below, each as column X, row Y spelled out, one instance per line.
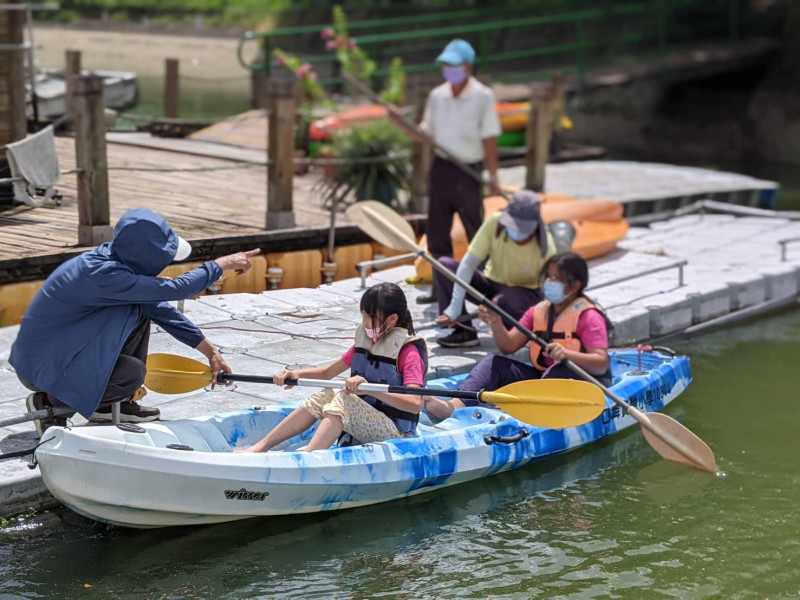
column 244, row 494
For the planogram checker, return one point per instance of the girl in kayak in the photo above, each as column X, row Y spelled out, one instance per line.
column 385, row 351
column 571, row 324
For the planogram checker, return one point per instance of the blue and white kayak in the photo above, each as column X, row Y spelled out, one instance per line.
column 184, row 472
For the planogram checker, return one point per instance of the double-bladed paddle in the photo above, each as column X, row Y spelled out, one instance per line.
column 552, row 403
column 669, row 438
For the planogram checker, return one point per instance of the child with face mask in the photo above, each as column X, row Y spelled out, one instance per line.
column 573, row 327
column 385, row 351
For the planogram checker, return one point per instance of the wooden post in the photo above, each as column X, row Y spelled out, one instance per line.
column 73, row 67
column 13, row 123
column 281, row 104
column 258, row 89
column 421, row 159
column 171, row 88
column 538, row 137
column 90, row 155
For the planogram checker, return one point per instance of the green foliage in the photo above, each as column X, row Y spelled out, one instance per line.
column 357, row 64
column 375, row 164
column 312, row 90
column 11, row 521
column 351, row 57
column 395, row 91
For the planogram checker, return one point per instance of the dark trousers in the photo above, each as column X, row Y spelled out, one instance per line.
column 514, row 300
column 496, row 371
column 451, row 192
column 129, row 370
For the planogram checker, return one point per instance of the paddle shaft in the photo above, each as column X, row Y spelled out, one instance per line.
column 36, row 415
column 365, row 89
column 639, row 416
column 380, row 388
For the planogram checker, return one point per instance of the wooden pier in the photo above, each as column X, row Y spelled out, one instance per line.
column 218, row 208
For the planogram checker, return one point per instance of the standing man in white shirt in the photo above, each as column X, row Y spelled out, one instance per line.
column 461, row 117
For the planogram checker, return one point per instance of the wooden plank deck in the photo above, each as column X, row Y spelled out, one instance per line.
column 198, row 205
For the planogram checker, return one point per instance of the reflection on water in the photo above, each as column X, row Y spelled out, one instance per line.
column 611, row 520
column 199, row 100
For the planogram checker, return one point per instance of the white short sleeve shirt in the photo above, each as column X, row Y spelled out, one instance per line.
column 460, row 124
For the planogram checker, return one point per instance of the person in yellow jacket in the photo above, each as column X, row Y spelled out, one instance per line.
column 571, row 324
column 515, row 243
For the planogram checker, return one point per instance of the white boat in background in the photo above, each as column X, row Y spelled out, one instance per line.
column 120, row 91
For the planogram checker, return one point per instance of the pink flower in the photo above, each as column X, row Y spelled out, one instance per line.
column 281, row 61
column 312, row 75
column 352, row 43
column 330, row 45
column 306, row 66
column 341, row 42
column 301, row 72
column 327, row 33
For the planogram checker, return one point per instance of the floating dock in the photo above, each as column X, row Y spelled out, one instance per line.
column 675, row 276
column 646, row 188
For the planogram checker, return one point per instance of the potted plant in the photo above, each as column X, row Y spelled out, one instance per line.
column 373, row 163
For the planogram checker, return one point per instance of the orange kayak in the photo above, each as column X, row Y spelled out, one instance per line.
column 513, row 117
column 598, row 226
column 320, row 130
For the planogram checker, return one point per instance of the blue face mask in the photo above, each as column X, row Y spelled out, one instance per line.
column 516, row 235
column 554, row 291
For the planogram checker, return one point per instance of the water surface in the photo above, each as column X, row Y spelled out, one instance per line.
column 613, row 520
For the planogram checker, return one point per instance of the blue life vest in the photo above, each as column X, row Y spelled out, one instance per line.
column 377, row 363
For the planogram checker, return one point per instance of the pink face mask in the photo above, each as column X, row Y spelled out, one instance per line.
column 373, row 333
column 454, row 75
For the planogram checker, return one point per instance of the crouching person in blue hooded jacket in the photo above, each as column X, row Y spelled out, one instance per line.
column 83, row 341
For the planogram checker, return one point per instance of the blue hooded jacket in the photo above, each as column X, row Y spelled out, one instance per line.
column 74, row 330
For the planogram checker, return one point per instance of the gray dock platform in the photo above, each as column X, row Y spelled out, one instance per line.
column 732, row 265
column 649, row 187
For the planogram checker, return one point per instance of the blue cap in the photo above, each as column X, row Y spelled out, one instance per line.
column 457, row 52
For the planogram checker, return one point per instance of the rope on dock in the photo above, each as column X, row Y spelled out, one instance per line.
column 242, row 165
column 153, row 169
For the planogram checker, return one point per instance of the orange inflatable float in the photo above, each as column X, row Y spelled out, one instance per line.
column 513, row 117
column 598, row 226
column 320, row 130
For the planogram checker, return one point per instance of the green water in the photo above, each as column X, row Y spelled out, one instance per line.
column 199, row 99
column 610, row 521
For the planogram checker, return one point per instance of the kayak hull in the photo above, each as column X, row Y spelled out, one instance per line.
column 135, row 480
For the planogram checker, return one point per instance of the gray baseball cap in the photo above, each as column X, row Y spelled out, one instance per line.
column 523, row 212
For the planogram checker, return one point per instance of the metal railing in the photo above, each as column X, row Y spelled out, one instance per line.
column 597, row 36
column 366, row 265
column 784, row 243
column 679, row 264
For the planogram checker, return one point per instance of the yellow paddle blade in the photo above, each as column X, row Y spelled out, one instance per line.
column 172, row 374
column 552, row 403
column 383, row 224
column 675, row 442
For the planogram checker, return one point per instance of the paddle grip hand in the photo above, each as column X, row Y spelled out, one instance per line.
column 351, row 383
column 285, row 378
column 556, row 352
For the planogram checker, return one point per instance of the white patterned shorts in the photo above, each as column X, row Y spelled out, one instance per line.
column 364, row 422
